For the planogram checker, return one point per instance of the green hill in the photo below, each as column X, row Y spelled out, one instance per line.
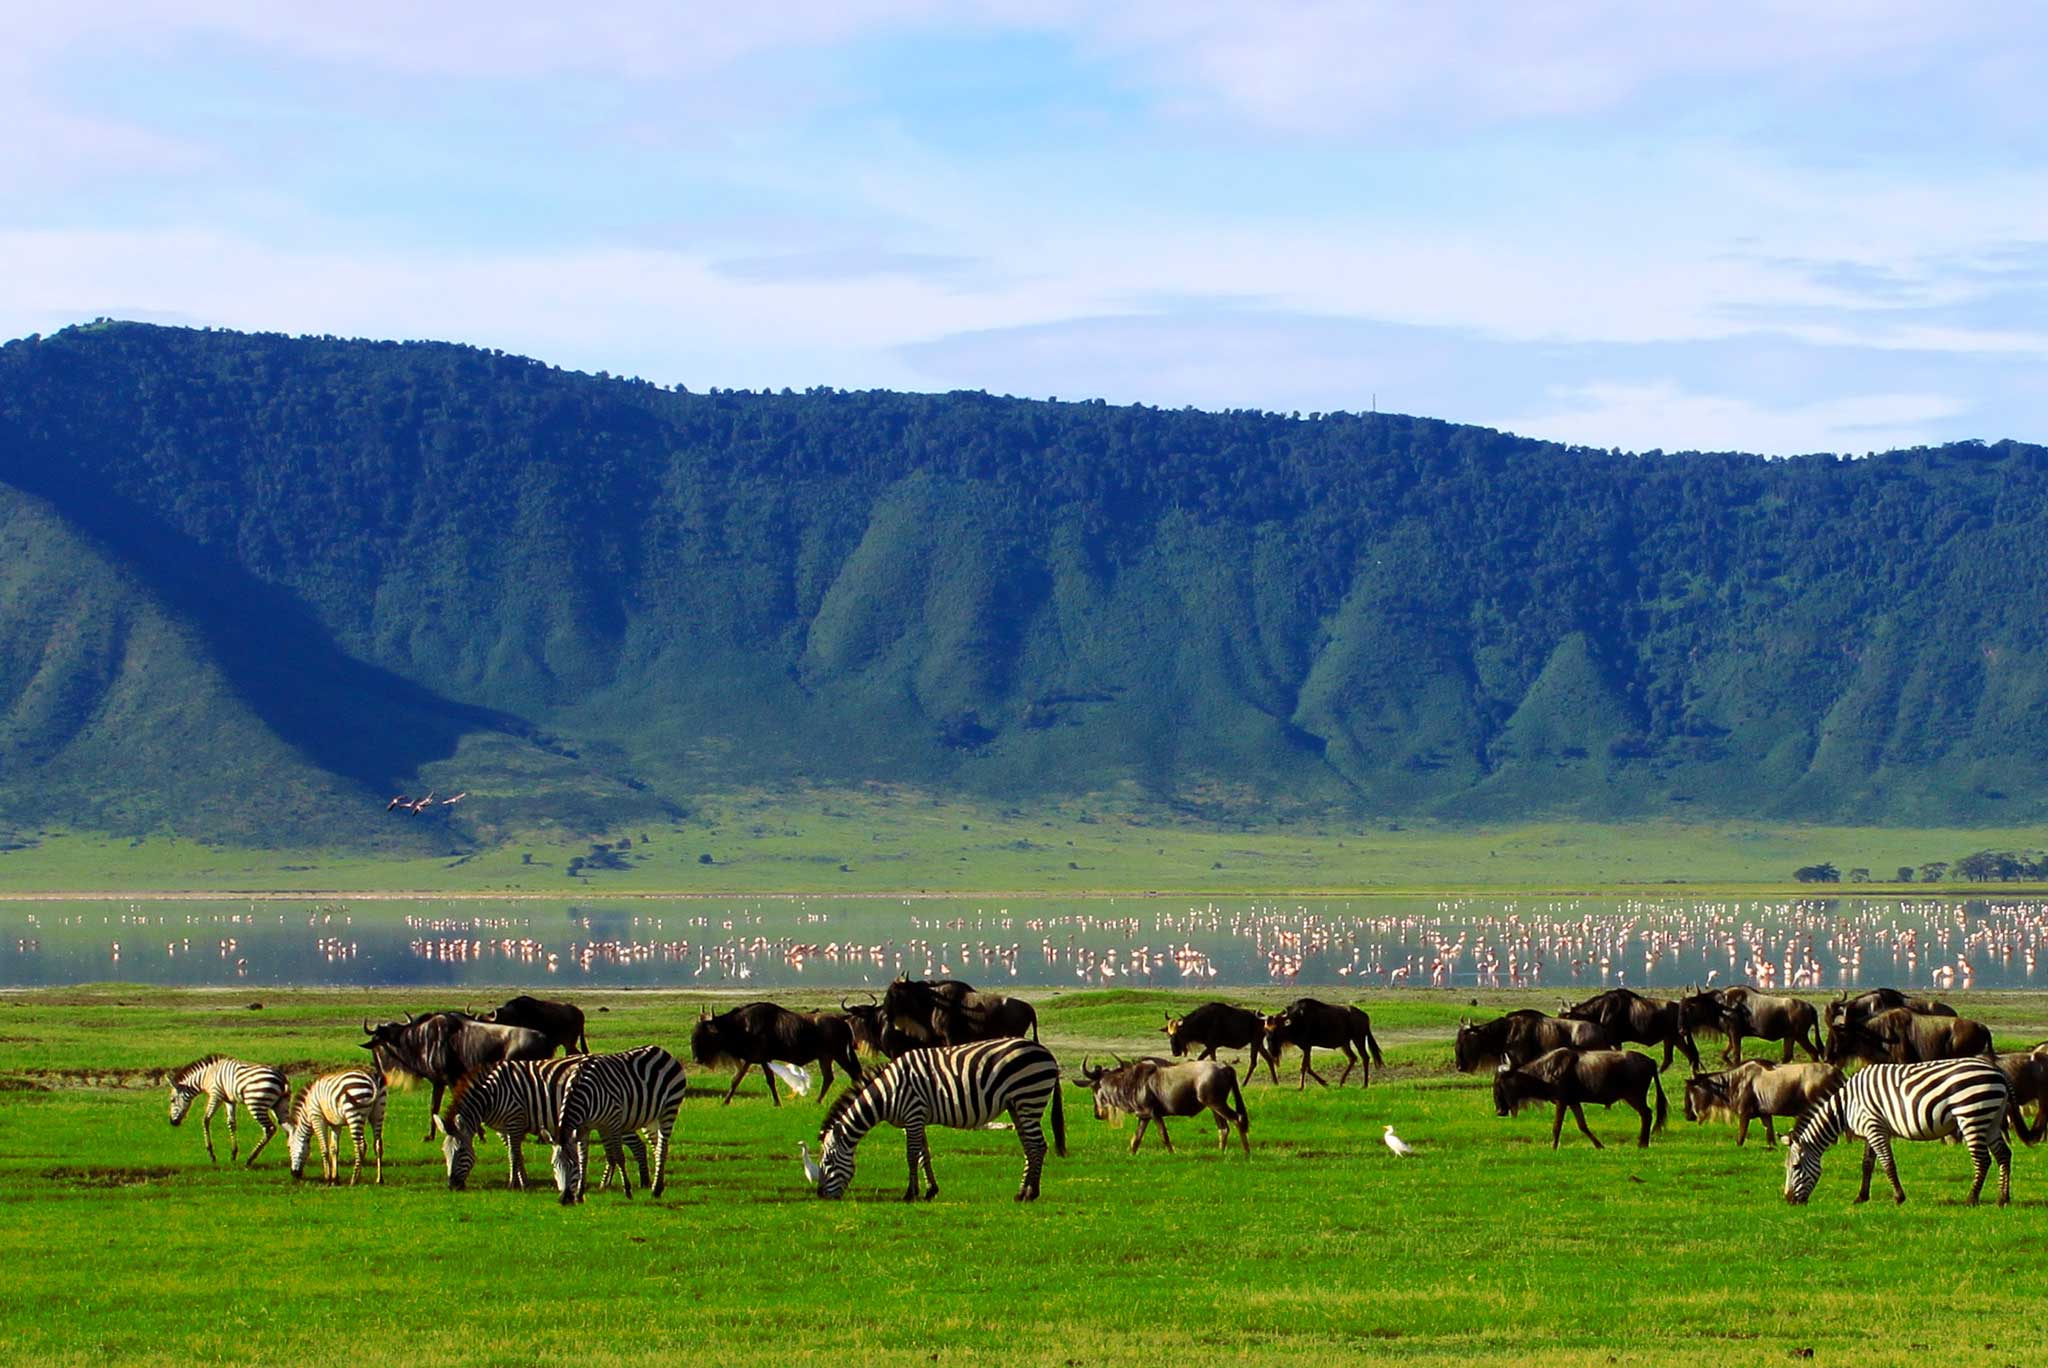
column 251, row 583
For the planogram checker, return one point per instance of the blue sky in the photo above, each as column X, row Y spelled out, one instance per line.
column 1773, row 227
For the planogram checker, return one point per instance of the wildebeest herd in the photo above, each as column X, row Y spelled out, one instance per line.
column 951, row 1055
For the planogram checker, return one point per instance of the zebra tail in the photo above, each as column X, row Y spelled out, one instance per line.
column 1663, row 1110
column 1059, row 1120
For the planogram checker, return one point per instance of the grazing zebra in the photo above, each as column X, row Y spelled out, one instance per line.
column 611, row 1096
column 346, row 1100
column 226, row 1083
column 962, row 1086
column 516, row 1098
column 1943, row 1097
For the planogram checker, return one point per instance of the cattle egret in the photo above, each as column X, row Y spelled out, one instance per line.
column 795, row 1076
column 812, row 1173
column 1396, row 1143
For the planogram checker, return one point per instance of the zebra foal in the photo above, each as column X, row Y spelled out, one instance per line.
column 516, row 1098
column 611, row 1096
column 230, row 1083
column 1967, row 1098
column 350, row 1100
column 961, row 1086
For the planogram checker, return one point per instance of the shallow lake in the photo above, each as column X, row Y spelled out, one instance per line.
column 1360, row 943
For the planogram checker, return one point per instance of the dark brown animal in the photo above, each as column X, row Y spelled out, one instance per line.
column 1625, row 1016
column 443, row 1046
column 1154, row 1089
column 1741, row 1012
column 752, row 1035
column 1845, row 1008
column 1902, row 1037
column 1572, row 1078
column 950, row 1012
column 1521, row 1036
column 1308, row 1024
column 560, row 1022
column 874, row 1032
column 1759, row 1089
column 2028, row 1074
column 1218, row 1025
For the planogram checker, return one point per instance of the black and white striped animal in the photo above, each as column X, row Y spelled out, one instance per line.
column 232, row 1083
column 962, row 1086
column 516, row 1098
column 609, row 1097
column 443, row 1046
column 1885, row 1102
column 349, row 1100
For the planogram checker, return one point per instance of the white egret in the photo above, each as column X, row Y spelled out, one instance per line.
column 796, row 1076
column 812, row 1173
column 1396, row 1143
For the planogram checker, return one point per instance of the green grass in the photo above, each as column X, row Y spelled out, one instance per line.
column 123, row 1243
column 881, row 840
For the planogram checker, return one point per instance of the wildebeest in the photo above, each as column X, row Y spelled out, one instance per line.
column 2028, row 1074
column 1218, row 1025
column 1521, row 1036
column 875, row 1032
column 1759, row 1089
column 1154, row 1089
column 443, row 1046
column 1571, row 1078
column 1845, row 1008
column 752, row 1035
column 1307, row 1024
column 560, row 1022
column 954, row 1013
column 1626, row 1016
column 1900, row 1036
column 1742, row 1011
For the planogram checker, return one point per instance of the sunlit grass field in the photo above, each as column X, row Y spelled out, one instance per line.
column 121, row 1241
column 883, row 840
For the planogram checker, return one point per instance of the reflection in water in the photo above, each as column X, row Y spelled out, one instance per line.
column 844, row 943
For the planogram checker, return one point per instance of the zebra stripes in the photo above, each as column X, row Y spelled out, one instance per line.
column 230, row 1083
column 961, row 1086
column 611, row 1096
column 516, row 1098
column 1965, row 1097
column 351, row 1100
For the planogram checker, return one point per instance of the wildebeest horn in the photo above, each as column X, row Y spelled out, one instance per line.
column 408, row 1018
column 366, row 1027
column 1117, row 1057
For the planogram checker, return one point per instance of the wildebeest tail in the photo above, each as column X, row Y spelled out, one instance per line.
column 1244, row 1116
column 1657, row 1082
column 1373, row 1044
column 1034, row 1026
column 1059, row 1120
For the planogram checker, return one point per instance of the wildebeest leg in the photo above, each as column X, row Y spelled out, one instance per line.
column 769, row 1074
column 1350, row 1062
column 1166, row 1139
column 825, row 1077
column 1770, row 1134
column 434, row 1110
column 1788, row 1051
column 1742, row 1134
column 1307, row 1073
column 744, row 1066
column 206, row 1127
column 1222, row 1119
column 1272, row 1063
column 268, row 1120
column 1557, row 1126
column 1208, row 1052
column 1731, row 1053
column 1139, row 1138
column 1642, row 1109
column 1579, row 1115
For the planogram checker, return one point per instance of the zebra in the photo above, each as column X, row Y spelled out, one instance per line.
column 612, row 1096
column 1927, row 1101
column 516, row 1098
column 226, row 1083
column 349, row 1099
column 962, row 1086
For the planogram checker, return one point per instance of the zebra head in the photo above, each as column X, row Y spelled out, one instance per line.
column 458, row 1149
column 301, row 1144
column 182, row 1096
column 835, row 1164
column 569, row 1166
column 1802, row 1170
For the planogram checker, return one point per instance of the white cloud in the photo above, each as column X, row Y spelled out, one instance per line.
column 1664, row 416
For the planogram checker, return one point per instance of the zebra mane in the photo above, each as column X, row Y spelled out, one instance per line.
column 1826, row 1115
column 844, row 1102
column 462, row 1087
column 180, row 1075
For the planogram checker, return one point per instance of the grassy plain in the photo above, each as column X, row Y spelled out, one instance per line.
column 121, row 1242
column 882, row 840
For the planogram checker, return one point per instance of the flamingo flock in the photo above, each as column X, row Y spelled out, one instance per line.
column 1790, row 944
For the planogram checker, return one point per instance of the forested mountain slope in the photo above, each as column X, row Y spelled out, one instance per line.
column 251, row 583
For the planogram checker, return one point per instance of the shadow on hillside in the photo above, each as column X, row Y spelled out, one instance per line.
column 353, row 719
